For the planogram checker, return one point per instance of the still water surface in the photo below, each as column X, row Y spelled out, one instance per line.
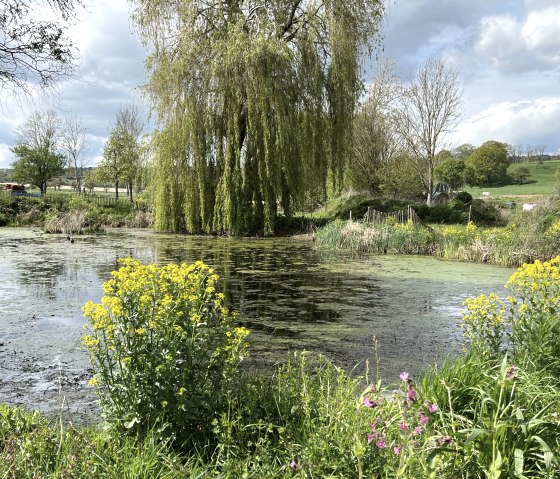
column 290, row 295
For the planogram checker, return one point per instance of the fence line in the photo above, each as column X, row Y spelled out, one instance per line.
column 102, row 200
column 401, row 216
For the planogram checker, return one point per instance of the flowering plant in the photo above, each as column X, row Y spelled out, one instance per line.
column 163, row 347
column 526, row 324
column 403, row 430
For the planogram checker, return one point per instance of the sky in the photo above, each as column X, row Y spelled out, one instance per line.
column 507, row 53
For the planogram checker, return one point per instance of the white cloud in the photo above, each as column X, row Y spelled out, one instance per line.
column 516, row 45
column 7, row 154
column 542, row 32
column 523, row 122
column 110, row 70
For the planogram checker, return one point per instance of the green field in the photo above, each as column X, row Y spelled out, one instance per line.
column 541, row 182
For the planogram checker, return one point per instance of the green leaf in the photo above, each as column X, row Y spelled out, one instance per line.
column 495, row 471
column 475, row 434
column 518, row 461
column 131, row 423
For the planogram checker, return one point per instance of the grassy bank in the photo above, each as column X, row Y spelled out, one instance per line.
column 469, row 418
column 70, row 214
column 492, row 412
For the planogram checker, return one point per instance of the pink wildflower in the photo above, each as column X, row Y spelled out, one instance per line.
column 404, row 376
column 432, row 408
column 423, row 419
column 381, row 443
column 370, row 437
column 369, row 403
column 374, row 424
column 293, row 464
column 397, row 450
column 417, row 430
column 411, row 394
column 403, row 426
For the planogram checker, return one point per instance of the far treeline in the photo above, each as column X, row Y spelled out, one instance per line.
column 263, row 113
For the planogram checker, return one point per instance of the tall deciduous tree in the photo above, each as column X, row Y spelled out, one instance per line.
column 375, row 142
column 488, row 164
column 430, row 107
column 74, row 144
column 34, row 50
column 38, row 157
column 121, row 155
column 255, row 100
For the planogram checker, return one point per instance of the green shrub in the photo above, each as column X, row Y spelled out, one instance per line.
column 164, row 348
column 484, row 213
column 520, row 175
column 464, row 197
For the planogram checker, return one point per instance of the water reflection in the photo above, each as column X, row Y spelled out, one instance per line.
column 291, row 296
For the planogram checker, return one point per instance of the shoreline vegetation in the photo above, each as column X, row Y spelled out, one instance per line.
column 477, row 231
column 491, row 412
column 460, row 230
column 472, row 231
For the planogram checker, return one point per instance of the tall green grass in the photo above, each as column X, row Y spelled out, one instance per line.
column 465, row 419
column 388, row 237
column 528, row 236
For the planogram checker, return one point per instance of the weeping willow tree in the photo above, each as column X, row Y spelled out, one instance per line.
column 254, row 101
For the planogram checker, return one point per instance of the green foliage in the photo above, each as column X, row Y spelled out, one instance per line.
column 388, row 237
column 121, row 155
column 520, row 175
column 399, row 179
column 463, row 151
column 452, row 171
column 487, row 164
column 500, row 416
column 70, row 213
column 31, row 446
column 457, row 211
column 164, row 349
column 36, row 165
column 374, row 141
column 464, row 197
column 255, row 106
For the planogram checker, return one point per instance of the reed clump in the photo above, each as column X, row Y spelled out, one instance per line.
column 528, row 236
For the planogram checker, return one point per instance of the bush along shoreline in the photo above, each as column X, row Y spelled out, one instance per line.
column 526, row 237
column 165, row 362
column 71, row 214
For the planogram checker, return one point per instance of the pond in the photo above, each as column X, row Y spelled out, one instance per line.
column 289, row 294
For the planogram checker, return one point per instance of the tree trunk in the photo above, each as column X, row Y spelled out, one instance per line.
column 117, row 190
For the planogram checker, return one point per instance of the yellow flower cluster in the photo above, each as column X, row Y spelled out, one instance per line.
column 536, row 274
column 452, row 231
column 530, row 314
column 554, row 229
